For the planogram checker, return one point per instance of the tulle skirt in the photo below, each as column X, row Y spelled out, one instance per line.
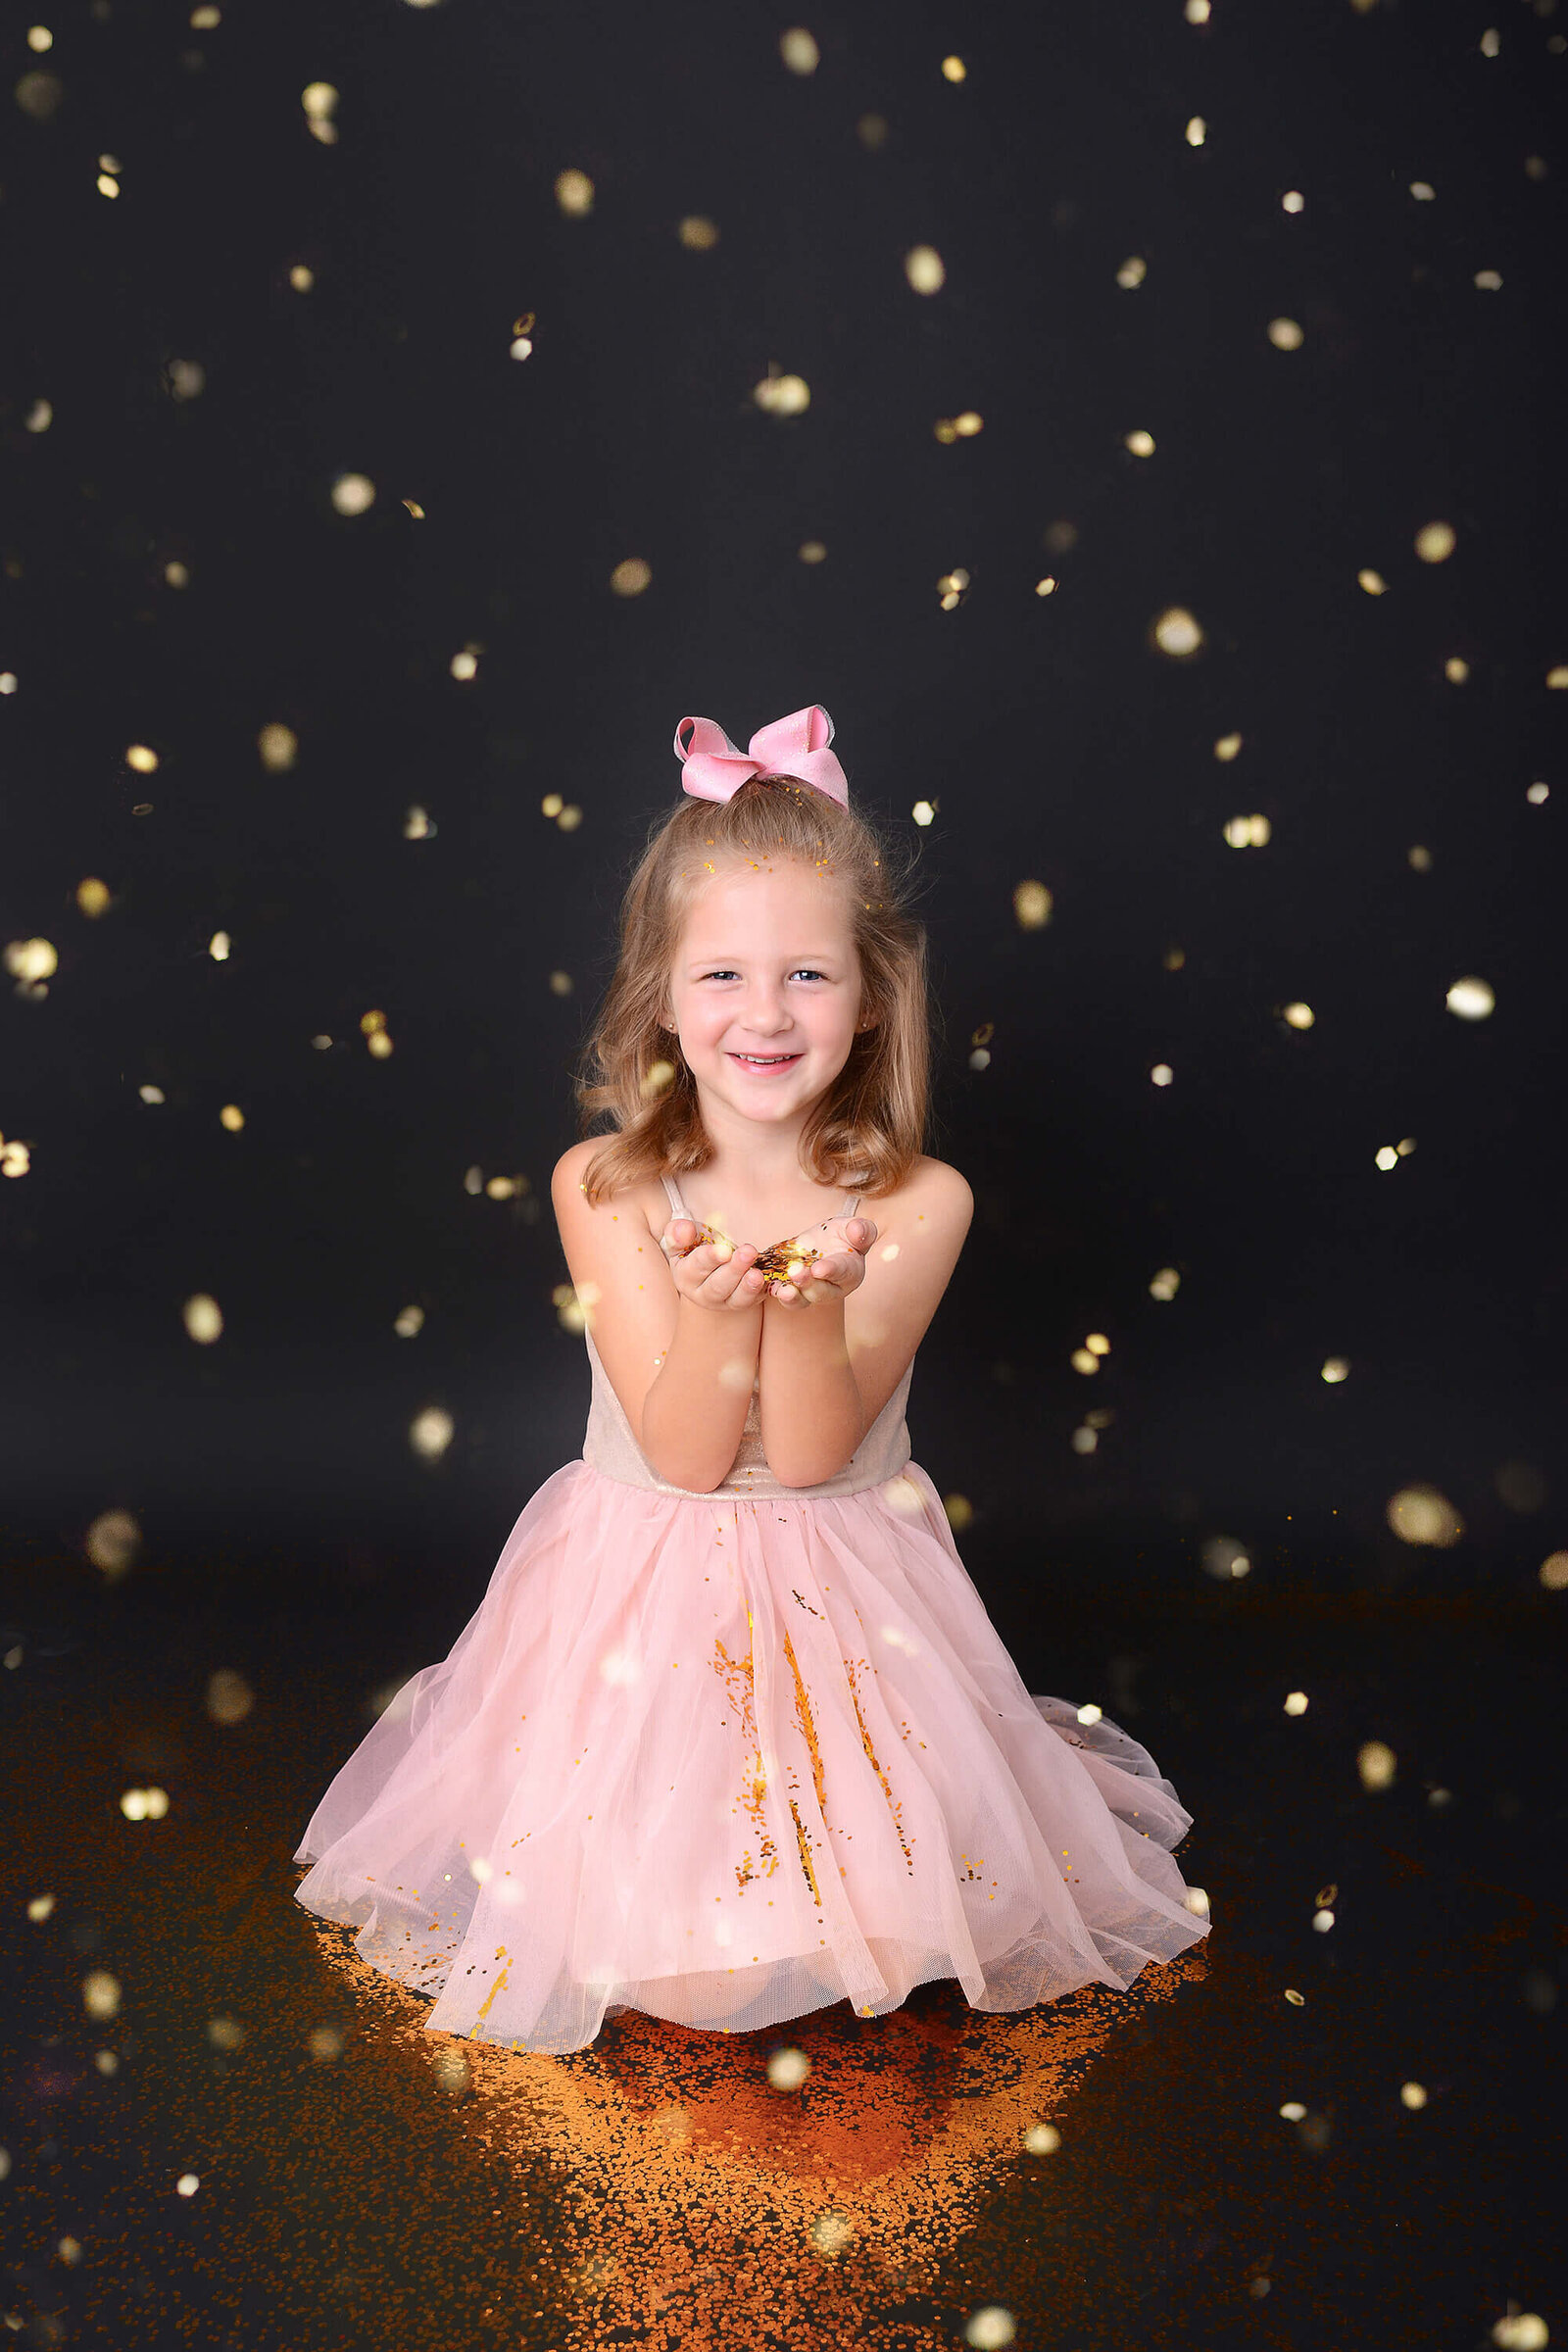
column 727, row 1762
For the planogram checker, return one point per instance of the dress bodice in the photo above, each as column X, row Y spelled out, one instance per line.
column 610, row 1446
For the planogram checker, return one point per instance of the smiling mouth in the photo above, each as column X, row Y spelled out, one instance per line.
column 763, row 1062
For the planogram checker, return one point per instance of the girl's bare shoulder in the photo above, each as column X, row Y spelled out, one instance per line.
column 572, row 1205
column 931, row 1190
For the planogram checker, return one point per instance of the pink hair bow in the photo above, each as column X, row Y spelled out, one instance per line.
column 712, row 769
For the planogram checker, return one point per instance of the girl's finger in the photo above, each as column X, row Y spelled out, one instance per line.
column 728, row 1275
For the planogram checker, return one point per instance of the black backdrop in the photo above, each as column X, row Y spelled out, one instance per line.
column 1057, row 740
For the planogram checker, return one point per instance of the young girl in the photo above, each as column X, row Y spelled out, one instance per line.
column 730, row 1736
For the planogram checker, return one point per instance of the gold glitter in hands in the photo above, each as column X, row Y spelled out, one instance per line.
column 774, row 1262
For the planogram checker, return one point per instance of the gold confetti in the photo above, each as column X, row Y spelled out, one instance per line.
column 1471, row 999
column 113, row 1543
column 924, row 268
column 39, row 94
column 1248, row 832
column 1376, row 1763
column 575, row 193
column 1031, row 905
column 800, row 51
column 32, row 959
column 279, row 748
column 203, row 1318
column 1422, row 1514
column 630, row 576
column 990, row 2327
column 698, row 233
column 352, row 494
column 431, row 1432
column 782, row 395
column 1435, row 542
column 1176, row 632
column 320, row 101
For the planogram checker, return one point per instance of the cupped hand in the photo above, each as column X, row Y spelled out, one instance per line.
column 711, row 1274
column 836, row 1271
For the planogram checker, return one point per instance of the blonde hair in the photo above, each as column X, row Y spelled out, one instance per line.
column 870, row 1125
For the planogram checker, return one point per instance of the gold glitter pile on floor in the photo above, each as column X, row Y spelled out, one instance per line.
column 703, row 2205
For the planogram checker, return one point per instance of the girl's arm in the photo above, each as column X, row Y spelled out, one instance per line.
column 830, row 1362
column 679, row 1348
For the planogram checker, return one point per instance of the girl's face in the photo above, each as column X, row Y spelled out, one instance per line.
column 766, row 988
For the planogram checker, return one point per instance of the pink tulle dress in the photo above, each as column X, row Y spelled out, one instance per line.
column 730, row 1757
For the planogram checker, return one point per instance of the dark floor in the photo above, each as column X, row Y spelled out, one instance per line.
column 353, row 2181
